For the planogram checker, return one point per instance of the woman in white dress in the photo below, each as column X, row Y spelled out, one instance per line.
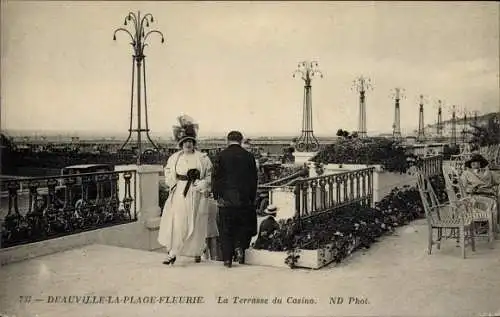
column 184, row 222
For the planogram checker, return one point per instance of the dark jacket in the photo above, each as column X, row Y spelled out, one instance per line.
column 235, row 177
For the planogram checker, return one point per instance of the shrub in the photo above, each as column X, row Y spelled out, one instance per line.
column 371, row 151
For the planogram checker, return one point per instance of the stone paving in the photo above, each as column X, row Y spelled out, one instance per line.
column 396, row 277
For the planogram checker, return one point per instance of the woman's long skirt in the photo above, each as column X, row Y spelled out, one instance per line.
column 184, row 223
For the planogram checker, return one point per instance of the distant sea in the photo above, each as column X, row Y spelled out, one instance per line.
column 163, row 135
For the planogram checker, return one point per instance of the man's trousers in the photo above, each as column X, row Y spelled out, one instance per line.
column 233, row 231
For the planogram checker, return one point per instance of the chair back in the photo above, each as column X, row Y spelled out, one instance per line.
column 429, row 198
column 492, row 154
column 454, row 187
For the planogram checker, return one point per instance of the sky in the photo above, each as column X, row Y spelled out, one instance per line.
column 229, row 65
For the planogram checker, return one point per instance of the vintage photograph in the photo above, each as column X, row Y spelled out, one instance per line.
column 250, row 158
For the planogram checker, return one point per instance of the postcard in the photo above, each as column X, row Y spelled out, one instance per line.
column 249, row 158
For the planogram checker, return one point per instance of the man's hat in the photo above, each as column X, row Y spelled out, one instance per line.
column 477, row 158
column 271, row 210
column 186, row 130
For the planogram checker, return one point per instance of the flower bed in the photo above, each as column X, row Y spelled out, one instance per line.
column 332, row 236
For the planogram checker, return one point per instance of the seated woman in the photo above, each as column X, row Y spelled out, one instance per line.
column 477, row 178
column 480, row 182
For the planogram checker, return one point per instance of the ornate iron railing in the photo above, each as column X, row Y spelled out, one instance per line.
column 37, row 209
column 326, row 193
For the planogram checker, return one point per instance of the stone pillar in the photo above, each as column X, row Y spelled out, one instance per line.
column 148, row 187
column 284, row 200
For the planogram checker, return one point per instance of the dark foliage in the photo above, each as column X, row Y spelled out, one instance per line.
column 56, row 160
column 450, row 150
column 372, row 151
column 488, row 134
column 53, row 223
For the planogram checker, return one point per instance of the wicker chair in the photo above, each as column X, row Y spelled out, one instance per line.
column 483, row 209
column 446, row 216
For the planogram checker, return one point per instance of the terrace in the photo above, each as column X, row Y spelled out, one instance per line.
column 396, row 275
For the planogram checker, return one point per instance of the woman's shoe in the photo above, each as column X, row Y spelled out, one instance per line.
column 170, row 260
column 197, row 259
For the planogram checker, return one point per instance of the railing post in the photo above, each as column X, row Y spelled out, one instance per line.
column 297, row 199
column 374, row 184
column 147, row 186
column 370, row 187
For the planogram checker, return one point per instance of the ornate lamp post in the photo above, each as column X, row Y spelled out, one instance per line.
column 138, row 36
column 453, row 125
column 362, row 85
column 421, row 125
column 307, row 142
column 398, row 94
column 439, row 125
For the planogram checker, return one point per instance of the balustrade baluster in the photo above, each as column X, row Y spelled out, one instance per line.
column 331, row 201
column 33, row 195
column 13, row 202
column 344, row 185
column 338, row 181
column 357, row 176
column 127, row 200
column 314, row 191
column 364, row 183
column 69, row 202
column 305, row 201
column 351, row 185
column 322, row 192
column 114, row 199
column 298, row 207
column 51, row 186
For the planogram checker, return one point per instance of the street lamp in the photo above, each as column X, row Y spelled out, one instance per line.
column 397, row 94
column 362, row 85
column 307, row 142
column 139, row 35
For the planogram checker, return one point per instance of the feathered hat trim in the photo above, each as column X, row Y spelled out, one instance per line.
column 186, row 129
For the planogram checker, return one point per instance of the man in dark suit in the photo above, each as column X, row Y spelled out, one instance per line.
column 235, row 188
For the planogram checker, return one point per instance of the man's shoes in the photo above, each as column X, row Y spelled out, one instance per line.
column 197, row 259
column 240, row 256
column 228, row 264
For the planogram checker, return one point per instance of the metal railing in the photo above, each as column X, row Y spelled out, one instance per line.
column 43, row 208
column 326, row 193
column 330, row 192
